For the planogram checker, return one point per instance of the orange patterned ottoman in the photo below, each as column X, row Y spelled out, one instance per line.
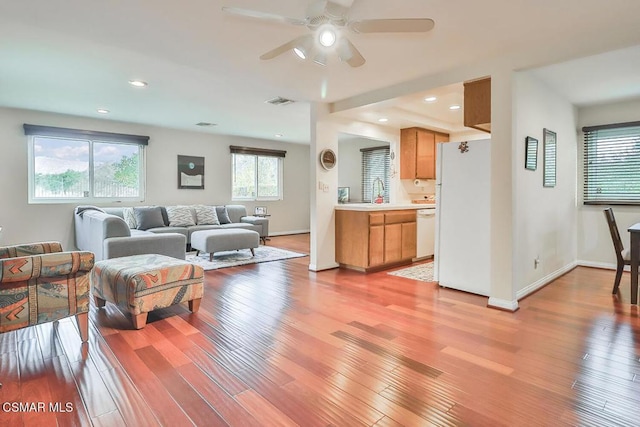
column 139, row 284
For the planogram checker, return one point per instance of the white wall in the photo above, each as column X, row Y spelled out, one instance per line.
column 25, row 222
column 594, row 241
column 545, row 219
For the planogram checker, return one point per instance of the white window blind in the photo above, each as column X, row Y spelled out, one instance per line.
column 375, row 164
column 612, row 164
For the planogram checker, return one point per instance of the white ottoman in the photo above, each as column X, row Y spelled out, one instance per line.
column 228, row 239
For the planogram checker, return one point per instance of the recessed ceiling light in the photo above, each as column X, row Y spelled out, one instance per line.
column 383, row 120
column 430, row 99
column 102, row 111
column 278, row 135
column 454, row 107
column 138, row 83
column 204, row 124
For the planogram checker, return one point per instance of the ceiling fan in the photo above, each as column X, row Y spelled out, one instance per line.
column 327, row 21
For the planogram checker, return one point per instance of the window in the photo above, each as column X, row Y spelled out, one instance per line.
column 375, row 173
column 69, row 165
column 612, row 164
column 256, row 173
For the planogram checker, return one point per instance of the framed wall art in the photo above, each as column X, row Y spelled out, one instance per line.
column 531, row 153
column 549, row 144
column 190, row 172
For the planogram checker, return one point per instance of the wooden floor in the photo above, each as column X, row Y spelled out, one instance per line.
column 275, row 344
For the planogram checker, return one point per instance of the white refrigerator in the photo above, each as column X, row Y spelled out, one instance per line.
column 463, row 192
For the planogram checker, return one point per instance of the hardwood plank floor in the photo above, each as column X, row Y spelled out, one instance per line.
column 276, row 344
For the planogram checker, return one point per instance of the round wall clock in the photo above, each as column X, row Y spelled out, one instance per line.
column 327, row 158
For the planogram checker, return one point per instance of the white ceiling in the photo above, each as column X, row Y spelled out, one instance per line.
column 75, row 56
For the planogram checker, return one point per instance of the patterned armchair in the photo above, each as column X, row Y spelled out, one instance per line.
column 39, row 283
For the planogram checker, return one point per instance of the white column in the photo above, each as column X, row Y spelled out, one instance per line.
column 323, row 190
column 503, row 293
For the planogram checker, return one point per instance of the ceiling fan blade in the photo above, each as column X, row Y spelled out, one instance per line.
column 410, row 25
column 350, row 54
column 263, row 16
column 298, row 41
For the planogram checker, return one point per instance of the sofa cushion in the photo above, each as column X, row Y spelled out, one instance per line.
column 206, row 215
column 236, row 212
column 148, row 217
column 236, row 225
column 168, row 229
column 223, row 215
column 129, row 217
column 80, row 209
column 180, row 216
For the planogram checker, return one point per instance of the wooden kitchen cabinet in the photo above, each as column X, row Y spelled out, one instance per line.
column 376, row 239
column 477, row 104
column 368, row 240
column 418, row 152
column 392, row 243
column 409, row 240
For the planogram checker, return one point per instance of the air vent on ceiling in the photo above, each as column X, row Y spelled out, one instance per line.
column 278, row 100
column 204, row 124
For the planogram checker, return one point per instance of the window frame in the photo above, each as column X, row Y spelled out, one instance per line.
column 366, row 182
column 612, row 137
column 34, row 131
column 258, row 153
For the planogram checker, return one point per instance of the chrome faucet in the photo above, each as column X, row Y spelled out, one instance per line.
column 379, row 185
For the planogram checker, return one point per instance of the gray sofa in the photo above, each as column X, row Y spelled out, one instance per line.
column 105, row 232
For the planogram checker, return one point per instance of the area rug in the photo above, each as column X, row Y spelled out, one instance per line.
column 243, row 257
column 422, row 272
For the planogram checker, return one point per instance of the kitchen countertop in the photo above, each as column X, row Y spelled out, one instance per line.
column 382, row 206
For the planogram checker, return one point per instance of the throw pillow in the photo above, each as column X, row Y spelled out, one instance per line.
column 129, row 217
column 147, row 218
column 180, row 216
column 206, row 215
column 223, row 215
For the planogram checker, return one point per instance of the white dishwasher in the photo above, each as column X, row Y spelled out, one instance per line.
column 426, row 232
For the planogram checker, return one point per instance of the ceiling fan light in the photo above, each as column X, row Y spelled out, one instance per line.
column 320, row 59
column 303, row 47
column 299, row 51
column 327, row 37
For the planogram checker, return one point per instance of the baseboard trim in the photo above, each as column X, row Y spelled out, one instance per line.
column 503, row 304
column 314, row 267
column 603, row 265
column 545, row 280
column 287, row 233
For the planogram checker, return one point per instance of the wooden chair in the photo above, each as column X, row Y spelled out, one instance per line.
column 622, row 255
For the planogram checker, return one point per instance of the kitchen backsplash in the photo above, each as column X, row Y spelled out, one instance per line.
column 423, row 189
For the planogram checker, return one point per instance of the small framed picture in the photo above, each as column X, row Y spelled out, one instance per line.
column 260, row 210
column 343, row 194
